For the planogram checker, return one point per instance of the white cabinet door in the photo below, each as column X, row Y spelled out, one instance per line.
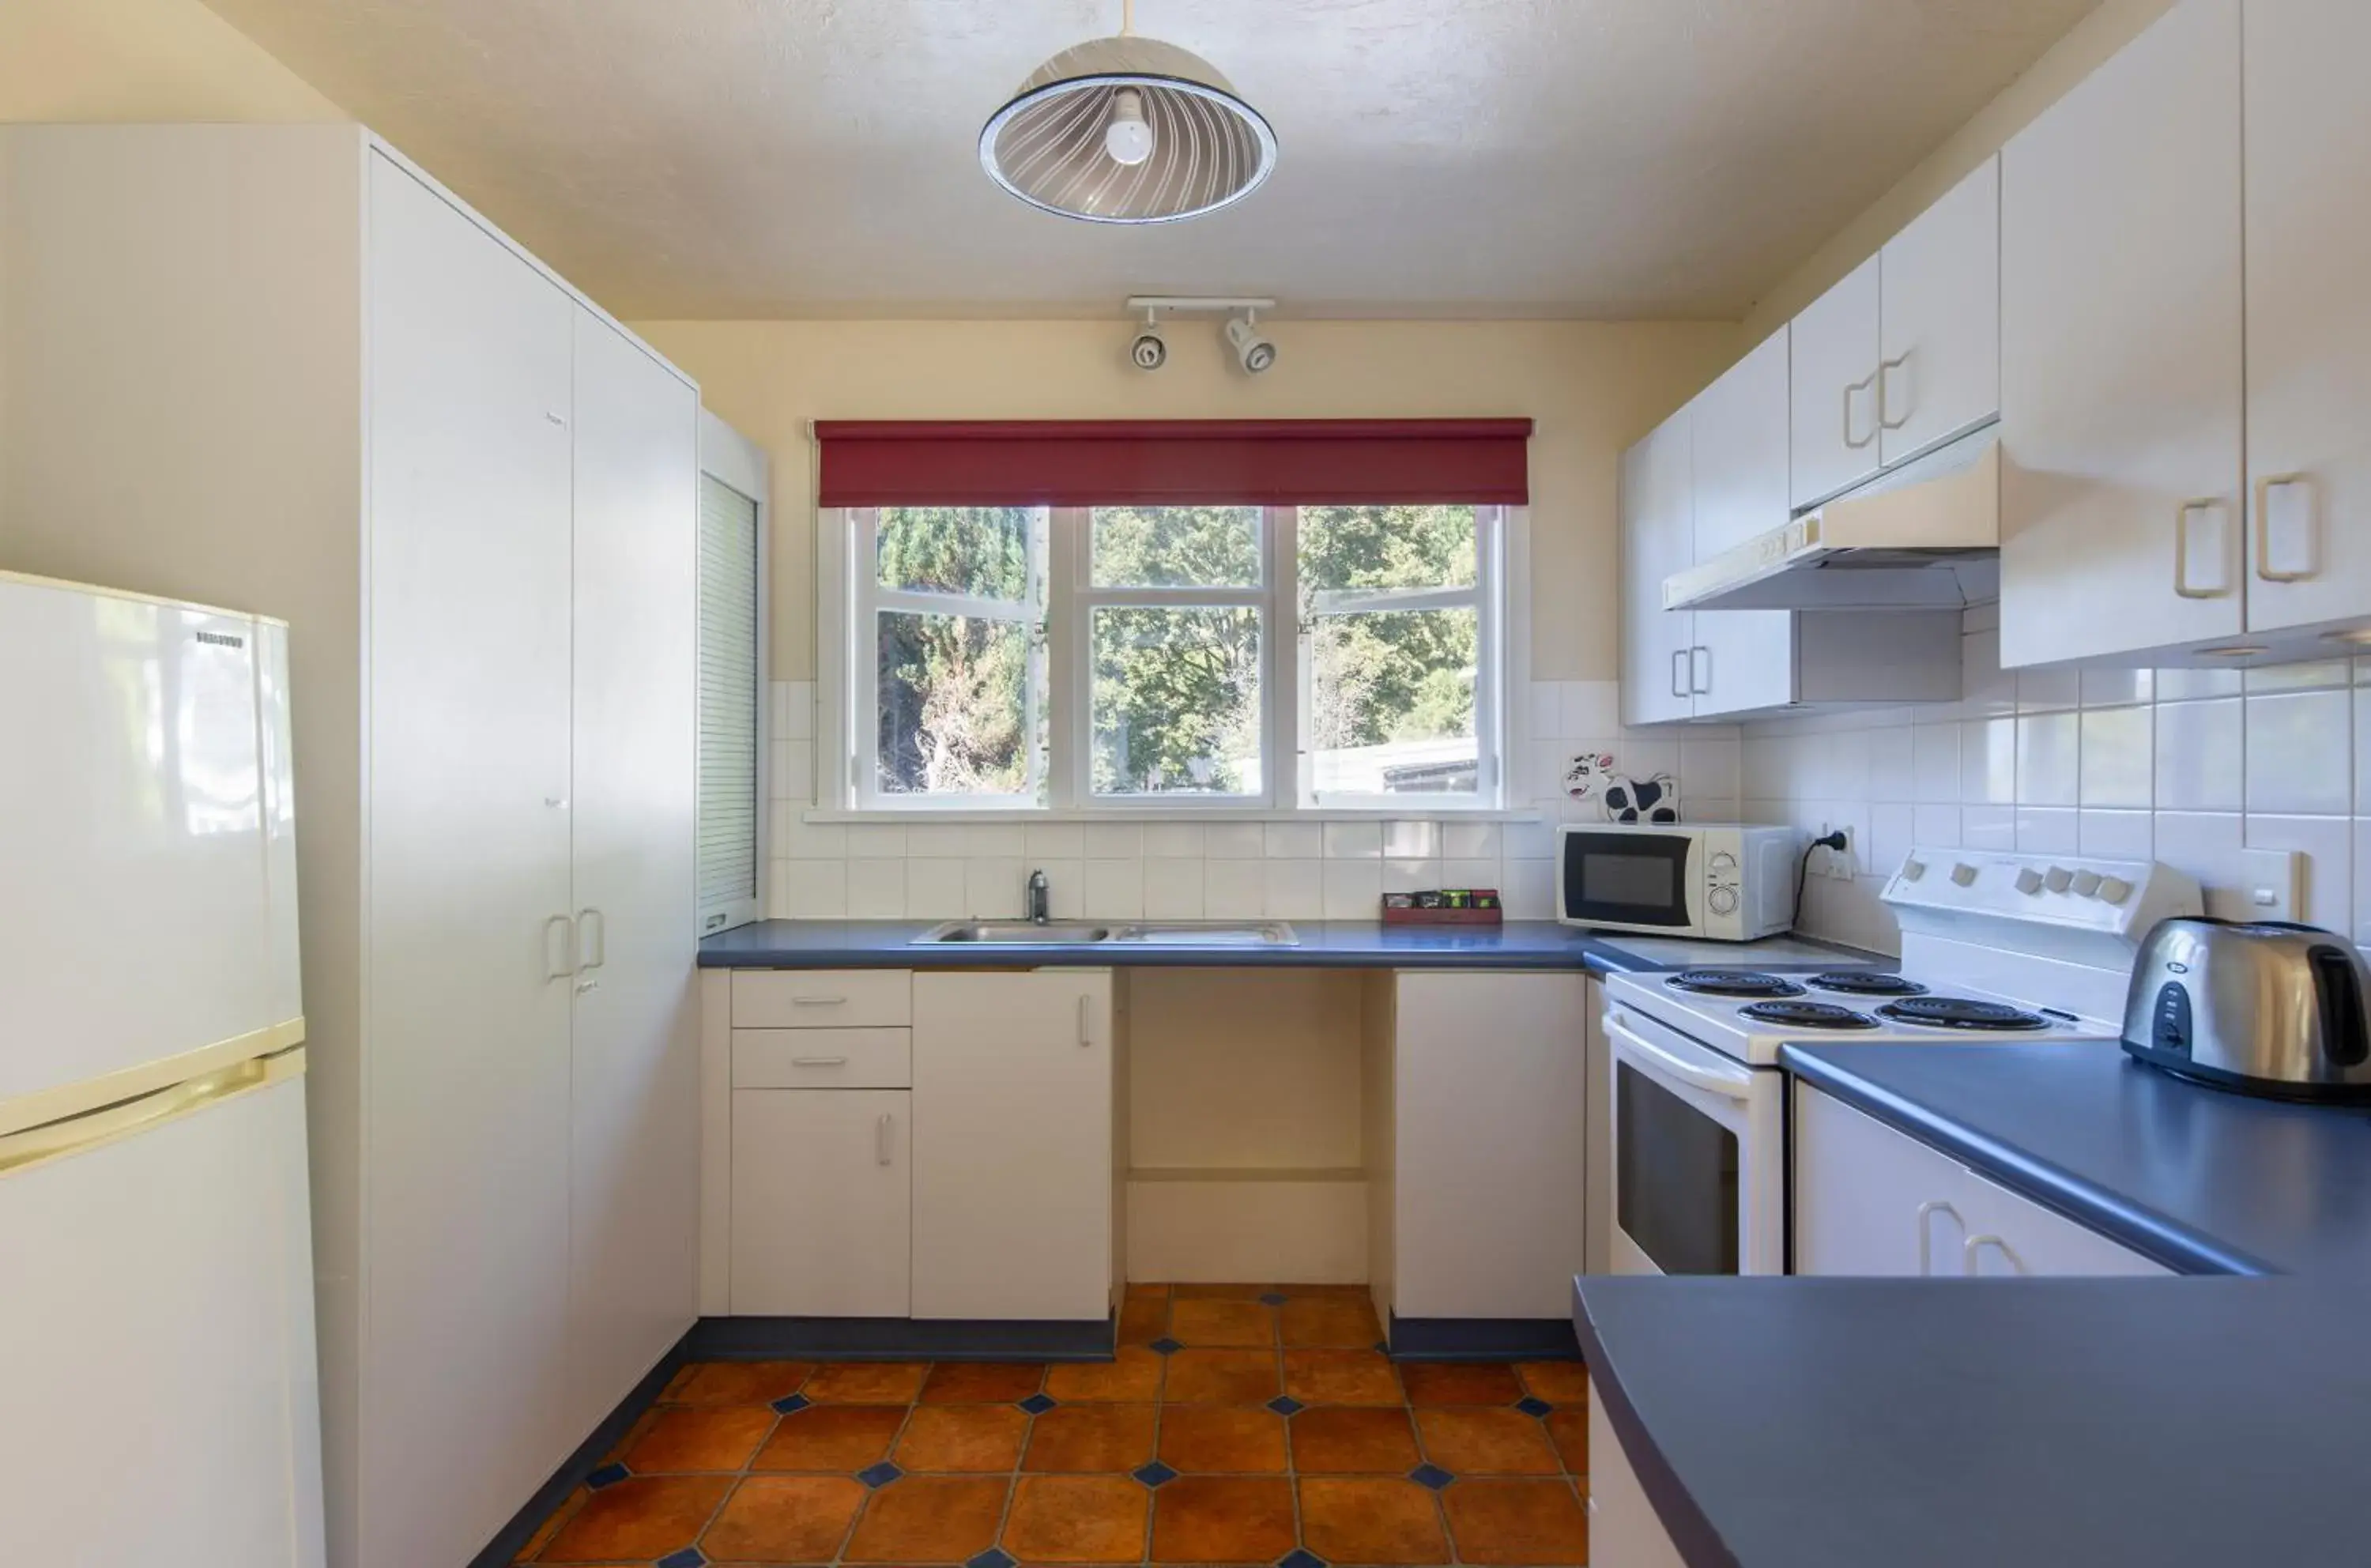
column 1941, row 320
column 465, row 1367
column 1012, row 1145
column 1833, row 351
column 2011, row 1235
column 1658, row 538
column 1624, row 1531
column 2308, row 152
column 2120, row 372
column 633, row 1217
column 1742, row 660
column 1598, row 1201
column 1491, row 1158
column 822, row 1202
column 1869, row 1200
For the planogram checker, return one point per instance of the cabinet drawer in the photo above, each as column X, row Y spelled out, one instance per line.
column 822, row 998
column 823, row 1058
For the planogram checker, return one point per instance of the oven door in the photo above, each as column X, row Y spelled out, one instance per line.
column 1699, row 1156
column 1630, row 879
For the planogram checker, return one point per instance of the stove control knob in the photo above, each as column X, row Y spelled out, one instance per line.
column 2059, row 880
column 2029, row 882
column 2087, row 884
column 2115, row 890
column 1912, row 869
column 1724, row 861
column 1723, row 900
column 1964, row 874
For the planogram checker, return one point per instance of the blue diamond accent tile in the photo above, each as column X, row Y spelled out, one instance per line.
column 1430, row 1475
column 689, row 1557
column 880, row 1475
column 1285, row 1404
column 1533, row 1406
column 607, row 1475
column 1382, row 1347
column 1156, row 1474
column 992, row 1558
column 791, row 1404
column 1166, row 1347
column 1272, row 1299
column 1037, row 1404
column 1300, row 1558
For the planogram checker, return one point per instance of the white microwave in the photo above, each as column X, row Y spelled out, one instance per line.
column 1720, row 881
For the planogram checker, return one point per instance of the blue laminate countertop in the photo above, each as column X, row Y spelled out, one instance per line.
column 1324, row 944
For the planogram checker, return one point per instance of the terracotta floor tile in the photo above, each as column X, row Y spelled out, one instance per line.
column 699, row 1438
column 962, row 1438
column 784, row 1518
column 1132, row 1376
column 1143, row 1320
column 1351, row 1441
column 1517, row 1522
column 982, row 1382
column 1459, row 1383
column 1221, row 1377
column 929, row 1519
column 552, row 1526
column 1221, row 1323
column 1328, row 1292
column 645, row 1518
column 1145, row 1290
column 1217, row 1292
column 1372, row 1521
column 1223, row 1440
column 1076, row 1519
column 1485, row 1442
column 1090, row 1437
column 1336, row 1323
column 736, row 1382
column 1568, row 1430
column 844, row 1438
column 866, row 1383
column 1212, row 1519
column 1341, row 1376
column 1559, row 1383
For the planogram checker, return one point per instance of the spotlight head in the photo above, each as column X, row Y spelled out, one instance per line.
column 1252, row 351
column 1148, row 350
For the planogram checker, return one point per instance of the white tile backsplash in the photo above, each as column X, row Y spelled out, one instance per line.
column 1354, row 889
column 1115, row 889
column 1234, row 841
column 1293, row 889
column 1235, row 890
column 1354, row 841
column 1295, row 840
column 2301, row 752
column 1172, row 888
column 1174, row 840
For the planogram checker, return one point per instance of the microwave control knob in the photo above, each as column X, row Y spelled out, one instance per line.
column 1964, row 874
column 1724, row 861
column 2086, row 884
column 2059, row 880
column 2115, row 890
column 1723, row 900
column 2029, row 882
column 1912, row 869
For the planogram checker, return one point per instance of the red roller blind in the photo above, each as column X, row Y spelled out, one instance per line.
column 1174, row 462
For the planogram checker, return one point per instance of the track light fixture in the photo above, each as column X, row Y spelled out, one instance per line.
column 1253, row 350
column 1147, row 349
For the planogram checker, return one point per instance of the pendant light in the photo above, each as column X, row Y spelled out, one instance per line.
column 1127, row 130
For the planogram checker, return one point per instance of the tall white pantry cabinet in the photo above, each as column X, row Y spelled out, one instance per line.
column 277, row 367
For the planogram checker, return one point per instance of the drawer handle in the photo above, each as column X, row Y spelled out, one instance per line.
column 818, row 1061
column 1925, row 1240
column 1086, row 1030
column 884, row 1134
column 1975, row 1246
column 818, row 1001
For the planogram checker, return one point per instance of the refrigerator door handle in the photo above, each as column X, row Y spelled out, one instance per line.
column 559, row 948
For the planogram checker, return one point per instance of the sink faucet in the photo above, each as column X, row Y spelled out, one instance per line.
column 1036, row 900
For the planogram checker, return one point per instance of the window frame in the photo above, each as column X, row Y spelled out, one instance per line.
column 741, row 465
column 1067, row 597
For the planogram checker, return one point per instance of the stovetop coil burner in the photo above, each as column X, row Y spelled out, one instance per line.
column 1807, row 1015
column 1732, row 983
column 1963, row 1012
column 1867, row 983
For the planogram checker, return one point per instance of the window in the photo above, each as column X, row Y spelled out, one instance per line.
column 732, row 657
column 1193, row 657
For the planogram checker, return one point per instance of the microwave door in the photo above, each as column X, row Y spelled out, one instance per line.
column 1635, row 880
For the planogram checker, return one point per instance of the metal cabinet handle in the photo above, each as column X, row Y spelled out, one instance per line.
column 1925, row 1249
column 2182, row 583
column 1086, row 1029
column 1975, row 1244
column 584, row 986
column 1861, row 385
column 818, row 1061
column 2265, row 488
column 566, row 947
column 1884, row 399
column 818, row 1001
column 1679, row 675
column 885, row 1135
column 1696, row 690
column 592, row 927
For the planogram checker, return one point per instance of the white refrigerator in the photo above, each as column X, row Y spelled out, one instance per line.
column 157, row 1336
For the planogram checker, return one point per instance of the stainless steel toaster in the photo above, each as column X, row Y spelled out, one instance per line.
column 2269, row 1009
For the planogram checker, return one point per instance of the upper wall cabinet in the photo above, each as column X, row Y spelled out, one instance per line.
column 1658, row 531
column 2122, row 374
column 1905, row 353
column 2308, row 249
column 1740, row 660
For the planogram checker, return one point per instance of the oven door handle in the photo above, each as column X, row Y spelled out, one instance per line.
column 1737, row 1087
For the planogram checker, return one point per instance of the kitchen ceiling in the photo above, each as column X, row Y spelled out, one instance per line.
column 729, row 158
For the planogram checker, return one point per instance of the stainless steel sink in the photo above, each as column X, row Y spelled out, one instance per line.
column 1143, row 933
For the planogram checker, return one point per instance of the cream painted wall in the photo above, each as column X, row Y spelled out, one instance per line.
column 141, row 60
column 1593, row 387
column 2085, row 46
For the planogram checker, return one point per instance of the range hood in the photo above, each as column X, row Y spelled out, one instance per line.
column 1923, row 537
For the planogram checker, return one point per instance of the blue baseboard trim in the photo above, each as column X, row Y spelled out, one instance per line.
column 1483, row 1339
column 900, row 1339
column 512, row 1538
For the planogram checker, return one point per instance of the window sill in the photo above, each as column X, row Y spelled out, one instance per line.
column 833, row 814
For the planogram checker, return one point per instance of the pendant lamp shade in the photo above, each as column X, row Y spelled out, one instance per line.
column 1072, row 141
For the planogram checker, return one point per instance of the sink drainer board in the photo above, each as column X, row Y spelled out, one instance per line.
column 1136, row 933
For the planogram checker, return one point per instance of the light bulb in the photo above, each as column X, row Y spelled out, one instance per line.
column 1126, row 137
